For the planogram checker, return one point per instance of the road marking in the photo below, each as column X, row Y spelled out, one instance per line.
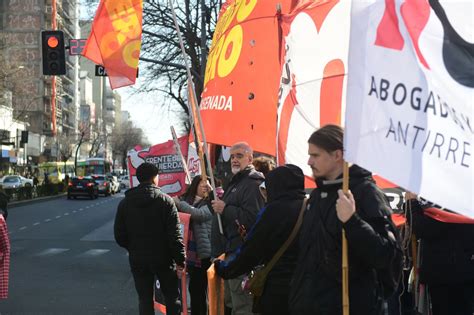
column 81, row 209
column 67, row 213
column 36, row 223
column 52, row 251
column 87, row 207
column 47, row 220
column 23, row 228
column 58, row 216
column 74, row 211
column 94, row 252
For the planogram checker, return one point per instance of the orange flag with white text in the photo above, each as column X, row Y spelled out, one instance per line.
column 115, row 40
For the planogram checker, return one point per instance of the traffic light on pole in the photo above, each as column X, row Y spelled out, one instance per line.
column 54, row 54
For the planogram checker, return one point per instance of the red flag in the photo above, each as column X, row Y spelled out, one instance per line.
column 115, row 40
column 172, row 175
column 241, row 84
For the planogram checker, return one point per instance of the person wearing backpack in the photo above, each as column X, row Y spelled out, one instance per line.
column 373, row 248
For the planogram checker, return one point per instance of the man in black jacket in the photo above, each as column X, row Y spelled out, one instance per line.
column 147, row 225
column 364, row 214
column 239, row 207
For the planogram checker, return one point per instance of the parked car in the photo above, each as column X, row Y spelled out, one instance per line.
column 125, row 182
column 104, row 184
column 82, row 186
column 15, row 182
column 114, row 183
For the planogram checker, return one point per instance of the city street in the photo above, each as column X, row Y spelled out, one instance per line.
column 64, row 260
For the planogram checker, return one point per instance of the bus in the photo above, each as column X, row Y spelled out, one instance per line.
column 93, row 166
column 56, row 171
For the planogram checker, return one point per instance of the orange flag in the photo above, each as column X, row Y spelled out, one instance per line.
column 115, row 40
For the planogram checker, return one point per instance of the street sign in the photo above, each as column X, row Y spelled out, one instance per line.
column 76, row 46
column 101, row 72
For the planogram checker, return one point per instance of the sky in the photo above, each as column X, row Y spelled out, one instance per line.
column 148, row 112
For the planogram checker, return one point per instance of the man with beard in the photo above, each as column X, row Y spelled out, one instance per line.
column 238, row 209
column 363, row 213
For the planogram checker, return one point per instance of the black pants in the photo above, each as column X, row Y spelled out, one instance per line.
column 198, row 287
column 144, row 275
column 452, row 299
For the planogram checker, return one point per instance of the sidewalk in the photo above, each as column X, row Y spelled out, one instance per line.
column 34, row 200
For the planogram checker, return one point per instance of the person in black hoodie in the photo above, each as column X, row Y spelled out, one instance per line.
column 446, row 260
column 316, row 287
column 275, row 222
column 147, row 225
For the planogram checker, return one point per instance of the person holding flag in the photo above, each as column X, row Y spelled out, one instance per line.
column 364, row 214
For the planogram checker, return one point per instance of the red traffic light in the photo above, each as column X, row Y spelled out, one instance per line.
column 53, row 42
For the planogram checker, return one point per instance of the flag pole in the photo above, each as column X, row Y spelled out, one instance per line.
column 181, row 156
column 196, row 114
column 345, row 259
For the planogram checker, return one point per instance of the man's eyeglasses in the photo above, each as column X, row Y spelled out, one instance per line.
column 237, row 156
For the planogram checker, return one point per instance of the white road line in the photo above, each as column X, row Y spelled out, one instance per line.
column 36, row 223
column 58, row 216
column 67, row 213
column 52, row 251
column 87, row 207
column 74, row 211
column 94, row 252
column 47, row 220
column 23, row 228
column 80, row 209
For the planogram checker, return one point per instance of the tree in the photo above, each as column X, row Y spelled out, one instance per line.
column 164, row 68
column 124, row 138
column 66, row 148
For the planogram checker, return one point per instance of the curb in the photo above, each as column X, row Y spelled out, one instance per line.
column 34, row 200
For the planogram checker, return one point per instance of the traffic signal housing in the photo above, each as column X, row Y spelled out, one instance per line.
column 54, row 53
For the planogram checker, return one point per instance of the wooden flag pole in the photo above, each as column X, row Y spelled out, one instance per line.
column 195, row 113
column 345, row 259
column 180, row 153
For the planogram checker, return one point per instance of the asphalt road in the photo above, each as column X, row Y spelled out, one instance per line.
column 64, row 260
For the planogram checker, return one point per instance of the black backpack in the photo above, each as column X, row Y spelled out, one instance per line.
column 389, row 277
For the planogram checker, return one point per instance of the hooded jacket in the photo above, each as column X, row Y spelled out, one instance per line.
column 242, row 203
column 317, row 282
column 285, row 193
column 275, row 222
column 147, row 225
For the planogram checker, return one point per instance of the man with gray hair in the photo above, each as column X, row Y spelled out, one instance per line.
column 238, row 209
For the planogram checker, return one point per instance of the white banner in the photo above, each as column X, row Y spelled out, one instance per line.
column 312, row 84
column 410, row 97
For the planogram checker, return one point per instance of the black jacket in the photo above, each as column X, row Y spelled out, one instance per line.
column 242, row 202
column 147, row 225
column 317, row 282
column 275, row 222
column 447, row 249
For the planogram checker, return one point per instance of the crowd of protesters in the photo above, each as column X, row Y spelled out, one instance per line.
column 265, row 220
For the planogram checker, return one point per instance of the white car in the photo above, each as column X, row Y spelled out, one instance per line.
column 125, row 182
column 16, row 181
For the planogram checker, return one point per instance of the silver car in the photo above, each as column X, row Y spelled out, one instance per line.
column 16, row 181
